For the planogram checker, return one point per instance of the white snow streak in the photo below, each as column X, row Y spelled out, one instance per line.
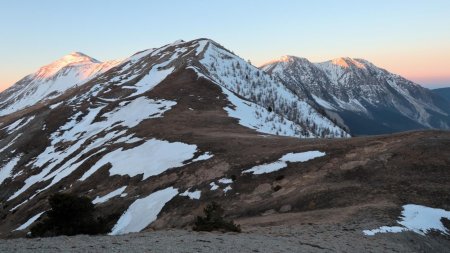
column 282, row 162
column 6, row 171
column 29, row 221
column 143, row 212
column 18, row 124
column 109, row 196
column 192, row 195
column 203, row 157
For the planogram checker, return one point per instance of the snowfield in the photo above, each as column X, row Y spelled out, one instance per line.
column 151, row 158
column 282, row 162
column 143, row 212
column 418, row 219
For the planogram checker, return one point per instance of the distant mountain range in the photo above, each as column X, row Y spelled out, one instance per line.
column 366, row 98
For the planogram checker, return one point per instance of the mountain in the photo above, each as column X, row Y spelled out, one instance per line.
column 368, row 99
column 51, row 80
column 154, row 139
column 166, row 121
column 443, row 92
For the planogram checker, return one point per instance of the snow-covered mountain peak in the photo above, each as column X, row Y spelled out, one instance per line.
column 52, row 80
column 74, row 58
column 286, row 60
column 78, row 57
column 347, row 62
column 178, row 42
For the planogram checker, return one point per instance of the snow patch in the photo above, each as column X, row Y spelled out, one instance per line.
column 18, row 124
column 11, row 143
column 214, row 186
column 192, row 195
column 153, row 78
column 228, row 188
column 6, row 170
column 53, row 106
column 418, row 219
column 109, row 195
column 201, row 47
column 29, row 221
column 282, row 162
column 143, row 212
column 202, row 157
column 226, row 181
column 151, row 158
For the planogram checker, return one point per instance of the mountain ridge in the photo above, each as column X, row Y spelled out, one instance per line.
column 361, row 92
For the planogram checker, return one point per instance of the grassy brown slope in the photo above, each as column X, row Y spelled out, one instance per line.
column 366, row 178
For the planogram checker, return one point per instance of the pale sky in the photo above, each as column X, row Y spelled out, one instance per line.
column 407, row 37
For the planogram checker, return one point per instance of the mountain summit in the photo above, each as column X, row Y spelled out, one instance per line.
column 67, row 60
column 51, row 80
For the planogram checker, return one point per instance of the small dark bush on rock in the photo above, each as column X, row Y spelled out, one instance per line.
column 276, row 188
column 214, row 220
column 446, row 223
column 69, row 215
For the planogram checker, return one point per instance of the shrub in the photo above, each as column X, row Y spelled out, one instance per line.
column 214, row 220
column 446, row 223
column 69, row 215
column 277, row 188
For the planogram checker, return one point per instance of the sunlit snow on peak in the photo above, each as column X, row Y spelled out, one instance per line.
column 346, row 62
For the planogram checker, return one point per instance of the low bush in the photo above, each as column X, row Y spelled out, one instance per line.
column 214, row 220
column 446, row 223
column 69, row 215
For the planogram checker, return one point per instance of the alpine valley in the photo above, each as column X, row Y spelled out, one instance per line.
column 153, row 138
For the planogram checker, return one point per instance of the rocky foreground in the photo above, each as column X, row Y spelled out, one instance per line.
column 304, row 238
